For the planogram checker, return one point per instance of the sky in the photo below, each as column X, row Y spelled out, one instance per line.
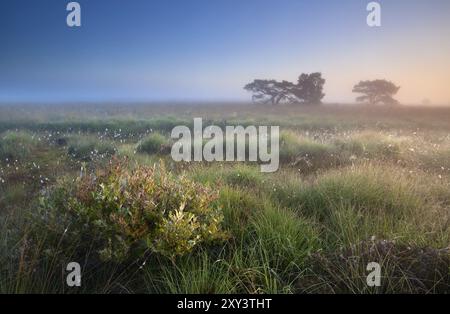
column 207, row 50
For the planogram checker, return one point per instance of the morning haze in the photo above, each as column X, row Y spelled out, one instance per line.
column 203, row 50
column 224, row 147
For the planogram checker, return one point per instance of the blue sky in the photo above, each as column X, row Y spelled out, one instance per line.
column 142, row 50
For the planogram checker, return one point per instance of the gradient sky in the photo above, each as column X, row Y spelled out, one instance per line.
column 141, row 50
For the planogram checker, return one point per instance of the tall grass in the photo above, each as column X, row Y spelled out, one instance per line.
column 16, row 145
column 355, row 186
column 155, row 143
column 87, row 148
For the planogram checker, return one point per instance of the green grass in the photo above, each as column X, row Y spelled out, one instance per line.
column 294, row 148
column 16, row 146
column 196, row 274
column 356, row 185
column 88, row 148
column 155, row 143
column 370, row 188
column 370, row 145
column 239, row 207
column 287, row 238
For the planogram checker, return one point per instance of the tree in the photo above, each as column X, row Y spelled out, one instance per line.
column 270, row 91
column 308, row 90
column 376, row 92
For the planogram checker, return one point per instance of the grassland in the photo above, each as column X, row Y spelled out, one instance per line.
column 356, row 185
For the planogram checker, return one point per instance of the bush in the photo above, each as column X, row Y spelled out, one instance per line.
column 130, row 212
column 155, row 143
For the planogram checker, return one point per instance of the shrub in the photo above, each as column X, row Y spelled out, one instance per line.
column 130, row 212
column 155, row 143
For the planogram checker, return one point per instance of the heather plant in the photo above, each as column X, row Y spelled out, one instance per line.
column 133, row 211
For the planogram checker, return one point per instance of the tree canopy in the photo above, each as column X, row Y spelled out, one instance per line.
column 376, row 92
column 308, row 90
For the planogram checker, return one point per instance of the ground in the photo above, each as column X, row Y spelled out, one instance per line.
column 356, row 185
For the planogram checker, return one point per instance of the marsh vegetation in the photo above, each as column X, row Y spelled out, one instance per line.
column 97, row 185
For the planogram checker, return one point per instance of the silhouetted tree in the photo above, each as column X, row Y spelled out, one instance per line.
column 270, row 91
column 308, row 90
column 376, row 92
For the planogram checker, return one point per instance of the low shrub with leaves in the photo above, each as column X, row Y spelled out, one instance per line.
column 135, row 211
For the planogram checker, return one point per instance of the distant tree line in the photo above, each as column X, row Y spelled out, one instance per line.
column 309, row 91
